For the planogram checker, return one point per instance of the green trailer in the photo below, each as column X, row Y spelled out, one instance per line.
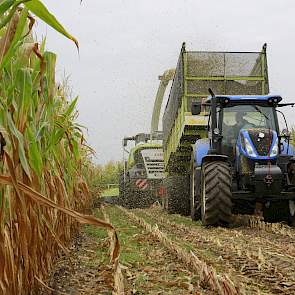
column 226, row 73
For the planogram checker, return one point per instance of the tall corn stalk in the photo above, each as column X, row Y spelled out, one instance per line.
column 42, row 154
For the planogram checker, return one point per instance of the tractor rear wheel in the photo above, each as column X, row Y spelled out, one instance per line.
column 195, row 194
column 216, row 203
column 280, row 211
column 177, row 194
column 292, row 213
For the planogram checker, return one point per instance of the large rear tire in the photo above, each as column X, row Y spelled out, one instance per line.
column 280, row 211
column 195, row 195
column 177, row 195
column 292, row 213
column 216, row 206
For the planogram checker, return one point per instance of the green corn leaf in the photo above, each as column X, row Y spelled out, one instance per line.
column 75, row 149
column 9, row 6
column 17, row 39
column 50, row 61
column 24, row 86
column 5, row 5
column 39, row 9
column 71, row 108
column 42, row 46
column 23, row 159
column 21, row 149
column 41, row 130
column 5, row 20
column 13, row 128
column 58, row 136
column 35, row 158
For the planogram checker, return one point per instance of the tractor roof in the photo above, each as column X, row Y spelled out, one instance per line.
column 248, row 98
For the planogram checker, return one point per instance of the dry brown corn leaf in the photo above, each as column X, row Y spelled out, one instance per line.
column 84, row 219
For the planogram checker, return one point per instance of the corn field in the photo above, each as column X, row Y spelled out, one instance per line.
column 44, row 159
column 47, row 182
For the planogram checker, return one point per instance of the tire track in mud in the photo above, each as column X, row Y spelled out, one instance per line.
column 255, row 260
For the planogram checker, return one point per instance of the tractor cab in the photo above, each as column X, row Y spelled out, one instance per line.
column 248, row 126
column 250, row 137
column 245, row 125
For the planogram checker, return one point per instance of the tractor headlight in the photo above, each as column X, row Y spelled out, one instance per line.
column 249, row 149
column 275, row 149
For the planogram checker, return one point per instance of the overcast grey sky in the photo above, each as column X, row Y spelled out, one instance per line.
column 126, row 44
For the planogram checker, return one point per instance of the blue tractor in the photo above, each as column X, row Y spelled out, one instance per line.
column 246, row 164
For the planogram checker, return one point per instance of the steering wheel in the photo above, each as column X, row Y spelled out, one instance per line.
column 248, row 125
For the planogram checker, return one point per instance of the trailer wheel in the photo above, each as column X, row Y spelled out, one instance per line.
column 177, row 194
column 216, row 206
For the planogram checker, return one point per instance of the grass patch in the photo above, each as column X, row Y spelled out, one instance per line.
column 95, row 232
column 111, row 192
column 146, row 259
column 133, row 245
column 183, row 220
column 101, row 237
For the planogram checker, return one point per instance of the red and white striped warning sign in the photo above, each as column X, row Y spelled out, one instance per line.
column 161, row 192
column 142, row 184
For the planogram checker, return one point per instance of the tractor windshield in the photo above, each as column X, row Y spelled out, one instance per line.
column 240, row 117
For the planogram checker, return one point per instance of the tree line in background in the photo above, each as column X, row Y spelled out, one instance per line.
column 107, row 174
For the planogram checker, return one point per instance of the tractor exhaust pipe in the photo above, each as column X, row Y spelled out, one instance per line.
column 215, row 132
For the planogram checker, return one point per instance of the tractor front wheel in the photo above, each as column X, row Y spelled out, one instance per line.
column 216, row 203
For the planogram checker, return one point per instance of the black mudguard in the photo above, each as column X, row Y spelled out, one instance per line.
column 214, row 157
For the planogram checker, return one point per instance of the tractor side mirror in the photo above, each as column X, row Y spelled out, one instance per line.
column 196, row 108
column 285, row 134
